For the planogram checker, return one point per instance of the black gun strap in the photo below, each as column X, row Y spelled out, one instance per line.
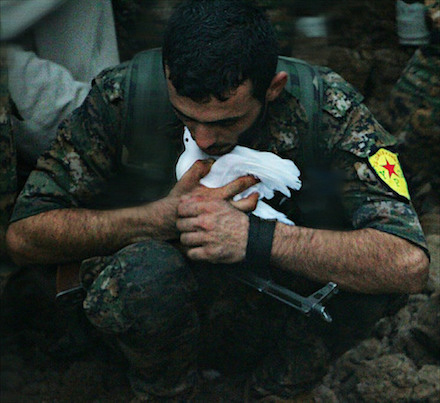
column 259, row 245
column 149, row 120
column 306, row 84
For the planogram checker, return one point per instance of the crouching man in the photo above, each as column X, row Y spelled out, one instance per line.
column 154, row 261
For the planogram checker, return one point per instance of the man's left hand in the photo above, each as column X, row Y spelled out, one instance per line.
column 214, row 230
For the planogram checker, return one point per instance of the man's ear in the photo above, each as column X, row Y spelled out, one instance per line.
column 277, row 84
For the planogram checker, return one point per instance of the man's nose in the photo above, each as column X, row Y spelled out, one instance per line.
column 203, row 135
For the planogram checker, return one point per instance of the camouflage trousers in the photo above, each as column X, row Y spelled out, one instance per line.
column 170, row 317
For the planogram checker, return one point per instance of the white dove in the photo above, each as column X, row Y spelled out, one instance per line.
column 274, row 173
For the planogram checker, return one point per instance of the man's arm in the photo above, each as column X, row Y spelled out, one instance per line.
column 65, row 235
column 365, row 260
column 50, row 224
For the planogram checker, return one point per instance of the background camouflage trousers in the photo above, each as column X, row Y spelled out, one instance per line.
column 414, row 116
column 170, row 318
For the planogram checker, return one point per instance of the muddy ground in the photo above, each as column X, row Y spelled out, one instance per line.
column 401, row 360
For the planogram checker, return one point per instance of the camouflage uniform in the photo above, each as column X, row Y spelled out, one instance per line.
column 166, row 313
column 8, row 173
column 414, row 108
column 433, row 14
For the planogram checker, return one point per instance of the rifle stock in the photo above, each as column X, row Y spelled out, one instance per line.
column 69, row 290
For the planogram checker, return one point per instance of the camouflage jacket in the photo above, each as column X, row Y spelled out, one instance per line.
column 84, row 159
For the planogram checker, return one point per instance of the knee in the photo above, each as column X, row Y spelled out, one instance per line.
column 148, row 281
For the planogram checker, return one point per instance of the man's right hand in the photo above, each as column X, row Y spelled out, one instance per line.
column 189, row 185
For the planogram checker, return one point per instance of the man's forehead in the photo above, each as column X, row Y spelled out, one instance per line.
column 235, row 107
column 243, row 91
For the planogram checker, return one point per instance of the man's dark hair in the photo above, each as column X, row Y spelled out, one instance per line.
column 212, row 46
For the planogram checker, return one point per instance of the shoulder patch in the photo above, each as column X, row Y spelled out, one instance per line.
column 386, row 165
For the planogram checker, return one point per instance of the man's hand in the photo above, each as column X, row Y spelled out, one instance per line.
column 215, row 229
column 189, row 184
column 166, row 208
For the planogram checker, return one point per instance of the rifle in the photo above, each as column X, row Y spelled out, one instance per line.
column 306, row 305
column 70, row 292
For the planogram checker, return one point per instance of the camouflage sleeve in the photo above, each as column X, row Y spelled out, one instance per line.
column 82, row 157
column 352, row 135
column 369, row 201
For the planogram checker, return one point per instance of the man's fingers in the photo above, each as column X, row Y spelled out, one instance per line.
column 247, row 204
column 188, row 224
column 192, row 206
column 198, row 170
column 193, row 238
column 230, row 190
column 197, row 254
column 237, row 186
